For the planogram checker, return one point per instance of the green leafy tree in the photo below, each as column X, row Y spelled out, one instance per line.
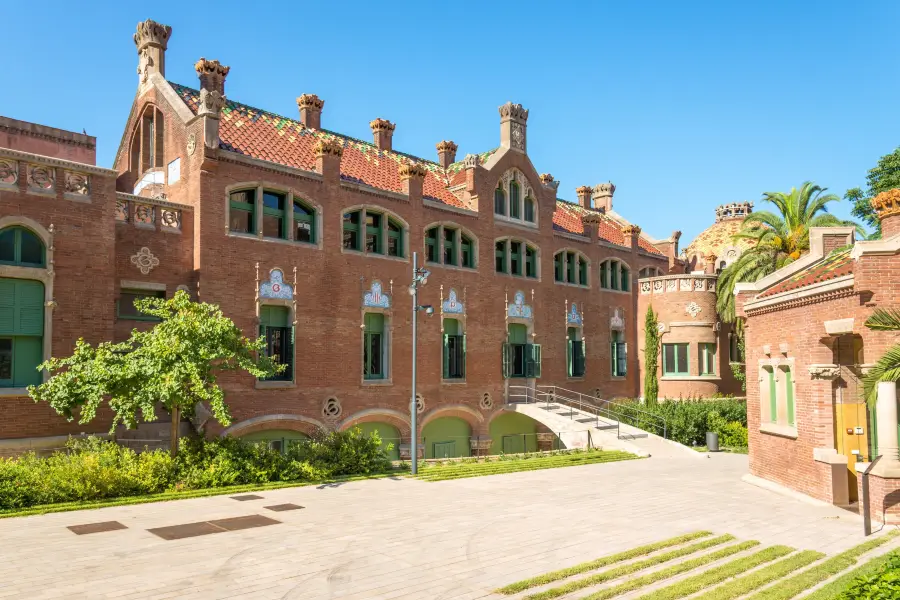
column 777, row 239
column 885, row 176
column 175, row 364
column 887, row 368
column 651, row 354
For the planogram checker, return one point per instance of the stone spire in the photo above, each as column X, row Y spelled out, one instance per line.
column 603, row 196
column 513, row 120
column 151, row 39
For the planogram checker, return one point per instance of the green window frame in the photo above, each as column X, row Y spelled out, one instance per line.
column 22, row 247
column 454, row 350
column 274, row 205
column 773, row 396
column 125, row 309
column 676, row 359
column 604, row 272
column 789, row 395
column 707, row 359
column 618, row 353
column 529, row 209
column 514, row 209
column 431, row 245
column 499, row 201
column 582, row 271
column 242, row 213
column 394, row 238
column 450, row 246
column 304, row 222
column 276, row 328
column 574, row 353
column 500, row 256
column 625, row 278
column 614, row 275
column 374, row 347
column 515, row 258
column 558, row 260
column 21, row 332
column 571, row 265
column 374, row 234
column 467, row 251
column 352, row 230
column 530, row 262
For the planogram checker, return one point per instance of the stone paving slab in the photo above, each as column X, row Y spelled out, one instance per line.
column 403, row 539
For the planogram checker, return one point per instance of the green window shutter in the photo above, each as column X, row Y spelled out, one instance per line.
column 789, row 395
column 558, row 266
column 7, row 306
column 773, row 399
column 21, row 307
column 506, row 350
column 446, row 371
column 536, row 359
column 274, row 316
column 27, row 354
column 374, row 323
column 518, row 333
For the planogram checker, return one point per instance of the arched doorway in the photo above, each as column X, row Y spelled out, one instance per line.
column 390, row 436
column 446, row 437
column 276, row 439
column 512, row 433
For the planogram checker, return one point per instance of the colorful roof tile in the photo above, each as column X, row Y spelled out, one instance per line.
column 717, row 238
column 837, row 264
column 567, row 218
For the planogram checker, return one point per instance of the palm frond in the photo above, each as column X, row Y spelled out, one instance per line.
column 884, row 319
column 886, row 369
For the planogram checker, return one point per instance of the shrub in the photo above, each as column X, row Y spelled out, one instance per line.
column 882, row 585
column 734, row 435
column 687, row 421
column 343, row 453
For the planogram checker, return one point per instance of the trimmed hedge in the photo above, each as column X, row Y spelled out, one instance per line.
column 688, row 420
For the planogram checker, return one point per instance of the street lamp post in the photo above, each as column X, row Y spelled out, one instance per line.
column 420, row 277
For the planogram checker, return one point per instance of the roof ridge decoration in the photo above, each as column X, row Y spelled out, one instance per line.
column 631, row 229
column 514, row 111
column 211, row 67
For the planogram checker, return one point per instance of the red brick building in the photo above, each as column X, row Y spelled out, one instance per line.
column 305, row 236
column 807, row 349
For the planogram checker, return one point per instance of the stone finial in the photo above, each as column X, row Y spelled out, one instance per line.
column 513, row 119
column 887, row 207
column 591, row 223
column 735, row 210
column 584, row 196
column 383, row 130
column 310, row 107
column 470, row 161
column 631, row 230
column 212, row 75
column 602, row 195
column 211, row 103
column 328, row 147
column 412, row 169
column 151, row 39
column 446, row 150
column 546, row 178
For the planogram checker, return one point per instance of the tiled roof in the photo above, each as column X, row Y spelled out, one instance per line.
column 716, row 238
column 837, row 264
column 567, row 217
column 267, row 136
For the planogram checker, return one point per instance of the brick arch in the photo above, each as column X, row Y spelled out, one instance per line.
column 468, row 414
column 298, row 423
column 378, row 415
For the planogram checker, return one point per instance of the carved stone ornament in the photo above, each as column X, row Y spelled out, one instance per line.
column 661, row 327
column 645, row 287
column 328, row 147
column 211, row 103
column 685, row 285
column 672, row 285
column 412, row 170
column 9, row 171
column 546, row 178
column 447, row 146
column 144, row 260
column 381, row 125
column 517, row 136
column 420, row 404
column 332, row 408
column 887, row 204
column 170, row 218
column 191, row 144
column 487, row 402
column 470, row 161
column 513, row 111
column 658, row 286
column 617, row 320
column 41, row 177
column 631, row 230
column 144, row 214
column 828, row 372
column 121, row 210
column 693, row 309
column 78, row 184
column 310, row 101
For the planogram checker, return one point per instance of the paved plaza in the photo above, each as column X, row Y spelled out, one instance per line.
column 401, row 538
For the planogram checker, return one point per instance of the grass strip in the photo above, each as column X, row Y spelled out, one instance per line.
column 634, row 567
column 697, row 583
column 526, row 459
column 811, row 577
column 43, row 509
column 515, row 466
column 757, row 579
column 833, row 590
column 605, row 561
column 684, row 567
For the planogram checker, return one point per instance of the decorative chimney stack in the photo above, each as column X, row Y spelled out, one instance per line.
column 887, row 207
column 310, row 110
column 735, row 210
column 328, row 159
column 412, row 178
column 603, row 196
column 584, row 196
column 513, row 119
column 632, row 234
column 383, row 130
column 446, row 153
column 151, row 39
column 212, row 98
column 591, row 223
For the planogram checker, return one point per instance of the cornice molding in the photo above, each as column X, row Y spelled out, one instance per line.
column 56, row 162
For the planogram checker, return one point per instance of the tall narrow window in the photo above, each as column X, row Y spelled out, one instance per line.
column 515, row 258
column 675, row 359
column 619, row 354
column 352, row 236
column 21, row 332
column 395, row 238
column 604, row 275
column 500, row 256
column 454, row 350
column 516, row 351
column 789, row 394
column 625, row 279
column 273, row 215
column 571, row 265
column 514, row 206
column 499, row 201
column 374, row 243
column 614, row 276
column 304, row 223
column 575, row 354
column 707, row 359
column 242, row 216
column 276, row 328
column 449, row 246
column 773, row 396
column 467, row 251
column 431, row 245
column 530, row 262
column 529, row 209
column 582, row 271
column 374, row 347
column 126, row 308
column 559, row 266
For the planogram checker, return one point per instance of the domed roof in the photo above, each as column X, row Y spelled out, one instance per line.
column 717, row 238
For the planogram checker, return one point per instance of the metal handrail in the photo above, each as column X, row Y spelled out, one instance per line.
column 643, row 415
column 534, row 395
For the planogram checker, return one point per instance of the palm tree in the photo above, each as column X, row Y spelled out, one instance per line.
column 888, row 366
column 777, row 239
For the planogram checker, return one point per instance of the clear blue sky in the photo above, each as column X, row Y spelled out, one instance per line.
column 683, row 105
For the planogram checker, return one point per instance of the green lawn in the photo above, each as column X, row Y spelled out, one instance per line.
column 496, row 465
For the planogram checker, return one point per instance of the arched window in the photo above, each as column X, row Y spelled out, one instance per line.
column 449, row 245
column 615, row 275
column 499, row 201
column 649, row 272
column 374, row 231
column 515, row 210
column 516, row 257
column 21, row 247
column 22, row 307
column 570, row 266
column 272, row 213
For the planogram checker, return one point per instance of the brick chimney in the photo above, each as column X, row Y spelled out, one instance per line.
column 328, row 159
column 513, row 119
column 591, row 223
column 151, row 39
column 212, row 98
column 383, row 130
column 412, row 178
column 887, row 207
column 310, row 110
column 632, row 233
column 446, row 153
column 584, row 196
column 603, row 196
column 212, row 75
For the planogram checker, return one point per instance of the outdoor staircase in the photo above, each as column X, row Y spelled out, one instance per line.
column 581, row 421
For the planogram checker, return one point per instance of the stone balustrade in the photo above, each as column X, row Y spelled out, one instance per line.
column 678, row 283
column 149, row 213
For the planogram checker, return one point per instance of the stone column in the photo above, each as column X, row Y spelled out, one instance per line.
column 886, row 414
